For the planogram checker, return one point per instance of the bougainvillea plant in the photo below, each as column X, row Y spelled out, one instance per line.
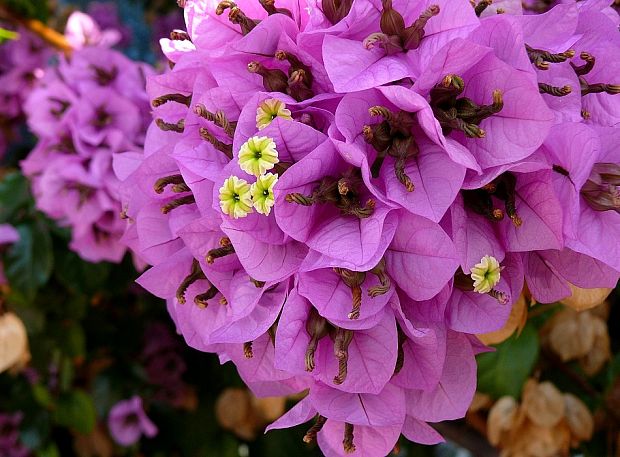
column 338, row 196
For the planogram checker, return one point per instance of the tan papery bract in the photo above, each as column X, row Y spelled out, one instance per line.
column 516, row 321
column 13, row 341
column 578, row 418
column 543, row 403
column 581, row 336
column 546, row 424
column 535, row 441
column 582, row 299
column 571, row 334
column 479, row 402
column 233, row 411
column 501, row 419
column 270, row 408
column 245, row 415
column 600, row 352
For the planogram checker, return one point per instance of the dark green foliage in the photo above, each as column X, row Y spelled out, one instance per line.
column 31, row 9
column 504, row 371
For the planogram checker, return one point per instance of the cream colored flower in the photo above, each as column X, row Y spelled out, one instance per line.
column 486, row 274
column 262, row 193
column 268, row 110
column 257, row 155
column 235, row 197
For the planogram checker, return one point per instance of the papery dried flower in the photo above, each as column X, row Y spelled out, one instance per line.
column 579, row 419
column 581, row 336
column 515, row 323
column 13, row 340
column 546, row 423
column 245, row 415
column 502, row 418
column 543, row 403
column 583, row 299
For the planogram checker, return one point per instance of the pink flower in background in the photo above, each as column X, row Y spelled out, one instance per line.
column 107, row 16
column 337, row 199
column 22, row 63
column 91, row 107
column 10, row 445
column 127, row 422
column 82, row 30
column 164, row 363
column 8, row 234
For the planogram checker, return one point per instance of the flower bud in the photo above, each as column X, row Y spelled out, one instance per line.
column 601, row 189
column 392, row 22
column 273, row 80
column 336, row 10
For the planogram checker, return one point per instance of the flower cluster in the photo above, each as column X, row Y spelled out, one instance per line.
column 338, row 198
column 22, row 61
column 89, row 107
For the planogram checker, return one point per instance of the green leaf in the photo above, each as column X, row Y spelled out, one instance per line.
column 72, row 341
column 504, row 371
column 29, row 262
column 74, row 307
column 66, row 374
column 75, row 410
column 50, row 451
column 32, row 317
column 613, row 370
column 35, row 428
column 80, row 276
column 27, row 8
column 14, row 196
column 42, row 395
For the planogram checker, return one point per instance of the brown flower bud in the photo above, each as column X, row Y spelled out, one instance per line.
column 392, row 22
column 601, row 189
